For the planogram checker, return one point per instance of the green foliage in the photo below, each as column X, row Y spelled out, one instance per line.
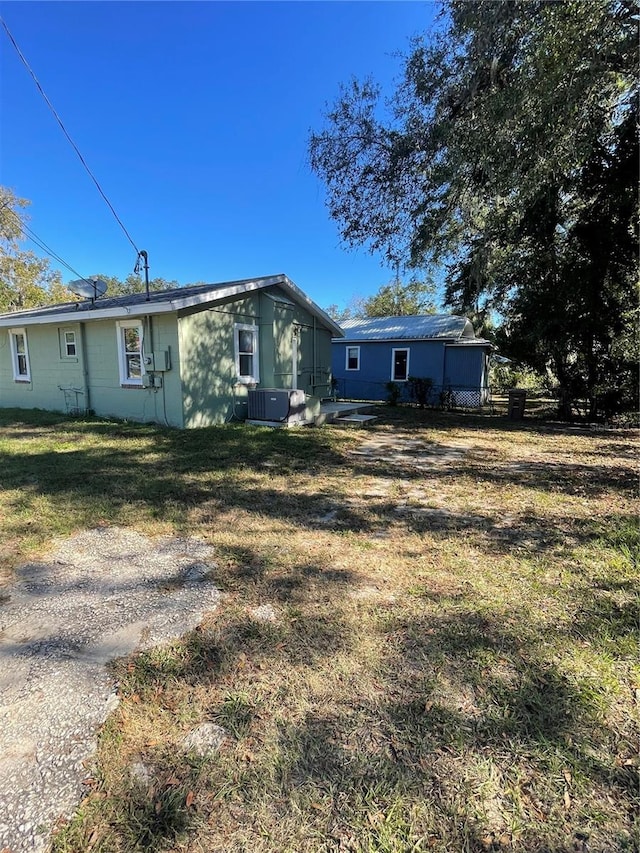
column 509, row 152
column 420, row 389
column 447, row 399
column 394, row 299
column 351, row 310
column 502, row 377
column 26, row 281
column 394, row 392
column 133, row 283
column 400, row 300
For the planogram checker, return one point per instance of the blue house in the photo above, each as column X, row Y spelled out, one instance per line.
column 442, row 348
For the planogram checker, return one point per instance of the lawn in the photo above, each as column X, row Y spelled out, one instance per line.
column 452, row 662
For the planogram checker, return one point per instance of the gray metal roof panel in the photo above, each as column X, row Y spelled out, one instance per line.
column 416, row 327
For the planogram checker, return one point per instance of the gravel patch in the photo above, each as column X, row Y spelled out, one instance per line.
column 102, row 594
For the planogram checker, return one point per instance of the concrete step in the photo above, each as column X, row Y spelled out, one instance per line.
column 355, row 420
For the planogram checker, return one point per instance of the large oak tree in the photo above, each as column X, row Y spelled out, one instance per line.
column 509, row 154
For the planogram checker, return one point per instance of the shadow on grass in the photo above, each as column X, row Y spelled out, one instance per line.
column 455, row 688
column 461, row 691
column 568, row 478
column 456, row 691
column 169, row 471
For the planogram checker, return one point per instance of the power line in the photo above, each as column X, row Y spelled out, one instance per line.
column 64, row 130
column 30, row 234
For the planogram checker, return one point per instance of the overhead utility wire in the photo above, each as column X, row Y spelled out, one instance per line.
column 30, row 234
column 64, row 130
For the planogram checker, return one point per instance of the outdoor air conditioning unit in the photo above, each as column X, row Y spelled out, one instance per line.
column 282, row 405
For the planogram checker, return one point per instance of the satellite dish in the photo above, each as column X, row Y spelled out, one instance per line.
column 91, row 288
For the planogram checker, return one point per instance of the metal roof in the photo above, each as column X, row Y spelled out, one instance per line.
column 442, row 326
column 162, row 301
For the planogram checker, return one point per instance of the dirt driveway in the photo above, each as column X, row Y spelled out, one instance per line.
column 101, row 594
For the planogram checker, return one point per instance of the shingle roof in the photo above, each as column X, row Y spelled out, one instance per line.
column 408, row 328
column 162, row 301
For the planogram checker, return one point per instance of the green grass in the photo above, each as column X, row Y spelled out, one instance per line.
column 453, row 662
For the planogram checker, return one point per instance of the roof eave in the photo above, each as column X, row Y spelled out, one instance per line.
column 311, row 306
column 80, row 316
column 440, row 340
column 140, row 309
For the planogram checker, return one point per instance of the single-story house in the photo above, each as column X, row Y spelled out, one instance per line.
column 378, row 350
column 185, row 357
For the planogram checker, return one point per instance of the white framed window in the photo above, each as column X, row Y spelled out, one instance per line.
column 69, row 346
column 246, row 353
column 399, row 364
column 130, row 363
column 19, row 355
column 352, row 358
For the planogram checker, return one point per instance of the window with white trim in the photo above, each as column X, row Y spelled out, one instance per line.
column 69, row 343
column 352, row 358
column 19, row 355
column 399, row 365
column 246, row 353
column 130, row 337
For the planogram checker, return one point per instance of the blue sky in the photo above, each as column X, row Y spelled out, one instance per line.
column 195, row 118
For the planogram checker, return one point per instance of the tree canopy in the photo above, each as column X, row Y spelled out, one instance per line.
column 508, row 154
column 394, row 299
column 133, row 283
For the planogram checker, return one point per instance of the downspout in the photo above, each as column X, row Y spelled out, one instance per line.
column 85, row 370
column 145, row 348
column 315, row 355
column 444, row 365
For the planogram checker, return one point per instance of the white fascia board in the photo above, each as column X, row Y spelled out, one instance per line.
column 219, row 294
column 143, row 309
column 300, row 296
column 478, row 342
column 122, row 312
column 138, row 309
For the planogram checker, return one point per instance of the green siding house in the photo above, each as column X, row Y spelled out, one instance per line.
column 185, row 357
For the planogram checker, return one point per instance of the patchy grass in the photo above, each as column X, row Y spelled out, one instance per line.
column 452, row 662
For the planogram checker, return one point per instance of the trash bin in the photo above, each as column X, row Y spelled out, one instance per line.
column 517, row 400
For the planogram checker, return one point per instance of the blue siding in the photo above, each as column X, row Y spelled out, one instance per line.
column 463, row 366
column 465, row 372
column 458, row 369
column 426, row 359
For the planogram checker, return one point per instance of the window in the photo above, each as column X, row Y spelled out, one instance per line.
column 353, row 358
column 19, row 355
column 69, row 341
column 246, row 350
column 399, row 365
column 130, row 338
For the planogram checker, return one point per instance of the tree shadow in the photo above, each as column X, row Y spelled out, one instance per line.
column 459, row 688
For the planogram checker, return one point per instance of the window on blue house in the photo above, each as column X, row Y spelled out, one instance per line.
column 353, row 358
column 399, row 365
